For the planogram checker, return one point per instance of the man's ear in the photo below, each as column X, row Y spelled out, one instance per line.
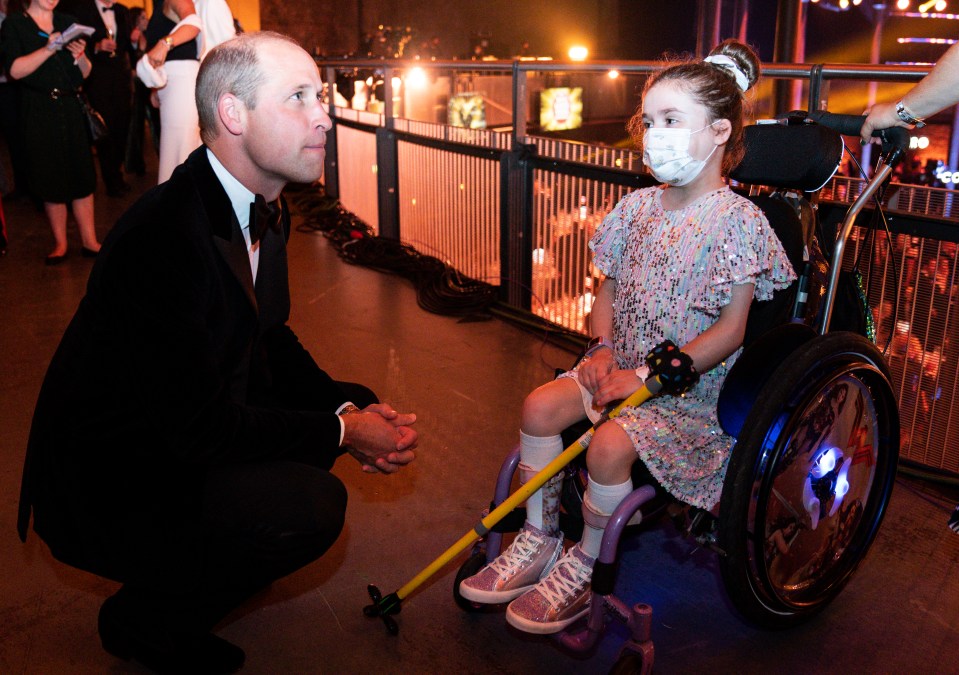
column 722, row 130
column 232, row 113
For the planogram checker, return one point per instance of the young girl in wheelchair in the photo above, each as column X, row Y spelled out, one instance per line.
column 682, row 263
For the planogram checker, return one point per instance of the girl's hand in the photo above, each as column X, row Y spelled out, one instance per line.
column 595, row 368
column 618, row 385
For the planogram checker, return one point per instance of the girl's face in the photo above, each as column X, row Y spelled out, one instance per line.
column 667, row 106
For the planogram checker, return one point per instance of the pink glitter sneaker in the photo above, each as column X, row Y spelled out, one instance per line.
column 516, row 570
column 558, row 600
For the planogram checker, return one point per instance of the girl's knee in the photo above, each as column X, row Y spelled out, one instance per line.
column 541, row 411
column 549, row 409
column 611, row 453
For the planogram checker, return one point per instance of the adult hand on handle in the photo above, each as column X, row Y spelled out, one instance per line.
column 882, row 116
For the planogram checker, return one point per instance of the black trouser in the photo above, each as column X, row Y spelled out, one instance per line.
column 258, row 522
column 111, row 150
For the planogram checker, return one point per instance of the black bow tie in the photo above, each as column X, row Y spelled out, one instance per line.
column 106, row 9
column 264, row 216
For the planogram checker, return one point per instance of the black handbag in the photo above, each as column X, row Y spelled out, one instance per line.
column 96, row 124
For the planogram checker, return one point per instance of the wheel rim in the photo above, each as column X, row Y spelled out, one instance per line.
column 816, row 501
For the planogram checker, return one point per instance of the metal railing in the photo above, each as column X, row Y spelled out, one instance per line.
column 516, row 209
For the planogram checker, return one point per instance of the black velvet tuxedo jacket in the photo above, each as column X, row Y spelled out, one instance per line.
column 173, row 363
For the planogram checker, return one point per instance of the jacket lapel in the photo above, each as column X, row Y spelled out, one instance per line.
column 272, row 278
column 223, row 223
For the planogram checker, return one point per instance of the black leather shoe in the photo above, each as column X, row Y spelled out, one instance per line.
column 163, row 652
column 88, row 252
column 54, row 259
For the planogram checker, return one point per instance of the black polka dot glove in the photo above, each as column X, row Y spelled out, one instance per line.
column 674, row 368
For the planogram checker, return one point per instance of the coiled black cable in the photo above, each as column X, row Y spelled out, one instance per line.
column 440, row 288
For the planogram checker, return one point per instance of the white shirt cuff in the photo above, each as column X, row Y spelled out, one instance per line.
column 342, row 423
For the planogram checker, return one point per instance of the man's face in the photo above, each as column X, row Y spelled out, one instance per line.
column 285, row 135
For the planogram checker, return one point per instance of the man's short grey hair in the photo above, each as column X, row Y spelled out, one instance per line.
column 231, row 68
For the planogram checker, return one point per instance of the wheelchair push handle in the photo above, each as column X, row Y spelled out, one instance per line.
column 895, row 140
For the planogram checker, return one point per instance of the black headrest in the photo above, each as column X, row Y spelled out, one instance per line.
column 795, row 156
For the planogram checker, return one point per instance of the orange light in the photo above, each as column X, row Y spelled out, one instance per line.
column 416, row 77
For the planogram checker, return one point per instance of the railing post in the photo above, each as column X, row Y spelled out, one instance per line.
column 516, row 206
column 331, row 173
column 388, row 112
column 519, row 104
column 387, row 166
column 387, row 183
column 815, row 88
column 516, row 226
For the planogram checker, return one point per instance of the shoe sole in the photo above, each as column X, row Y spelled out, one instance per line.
column 491, row 597
column 538, row 628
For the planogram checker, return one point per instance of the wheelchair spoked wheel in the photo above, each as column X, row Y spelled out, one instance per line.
column 808, row 480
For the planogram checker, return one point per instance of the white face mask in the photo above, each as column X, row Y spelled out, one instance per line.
column 666, row 153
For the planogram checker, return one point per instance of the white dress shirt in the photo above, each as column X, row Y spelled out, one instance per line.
column 241, row 199
column 109, row 18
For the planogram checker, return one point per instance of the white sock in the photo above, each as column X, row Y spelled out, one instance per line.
column 601, row 499
column 536, row 452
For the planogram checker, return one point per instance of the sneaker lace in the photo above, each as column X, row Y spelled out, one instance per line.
column 520, row 551
column 558, row 587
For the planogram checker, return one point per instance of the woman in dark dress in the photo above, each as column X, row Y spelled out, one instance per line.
column 59, row 160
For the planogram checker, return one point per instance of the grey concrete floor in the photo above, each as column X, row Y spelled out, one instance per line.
column 899, row 614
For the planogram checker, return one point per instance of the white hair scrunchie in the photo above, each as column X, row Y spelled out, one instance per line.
column 730, row 67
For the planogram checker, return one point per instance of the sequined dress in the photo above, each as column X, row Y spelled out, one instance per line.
column 674, row 271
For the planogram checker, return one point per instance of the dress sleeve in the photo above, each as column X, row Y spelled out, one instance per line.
column 607, row 243
column 11, row 47
column 746, row 251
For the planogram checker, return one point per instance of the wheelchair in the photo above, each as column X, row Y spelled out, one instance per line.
column 809, row 403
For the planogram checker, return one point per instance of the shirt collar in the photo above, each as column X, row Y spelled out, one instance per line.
column 101, row 5
column 240, row 197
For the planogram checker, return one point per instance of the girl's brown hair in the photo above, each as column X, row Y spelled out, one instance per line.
column 714, row 86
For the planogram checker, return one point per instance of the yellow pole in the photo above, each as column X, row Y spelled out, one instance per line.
column 522, row 494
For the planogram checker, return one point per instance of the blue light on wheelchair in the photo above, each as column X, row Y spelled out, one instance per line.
column 826, row 485
column 825, row 462
column 842, row 487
